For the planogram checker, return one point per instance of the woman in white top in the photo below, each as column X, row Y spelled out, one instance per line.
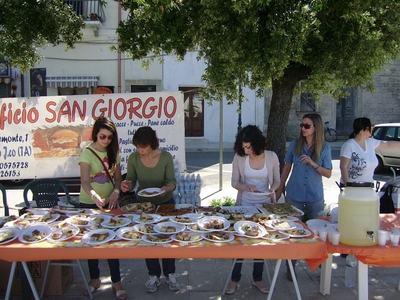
column 253, row 170
column 357, row 156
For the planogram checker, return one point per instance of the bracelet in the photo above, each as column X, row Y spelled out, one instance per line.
column 94, row 194
column 317, row 167
column 114, row 191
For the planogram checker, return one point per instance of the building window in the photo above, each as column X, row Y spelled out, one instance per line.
column 307, row 103
column 143, row 88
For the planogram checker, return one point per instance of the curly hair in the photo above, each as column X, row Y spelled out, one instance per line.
column 250, row 134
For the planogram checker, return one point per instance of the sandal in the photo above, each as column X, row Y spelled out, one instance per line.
column 261, row 287
column 120, row 294
column 232, row 287
column 94, row 285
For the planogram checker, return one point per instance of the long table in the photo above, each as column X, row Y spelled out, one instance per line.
column 312, row 249
column 377, row 256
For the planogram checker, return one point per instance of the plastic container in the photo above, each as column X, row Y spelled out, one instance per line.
column 358, row 218
column 350, row 275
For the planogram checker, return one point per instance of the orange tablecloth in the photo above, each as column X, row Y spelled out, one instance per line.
column 312, row 249
column 377, row 256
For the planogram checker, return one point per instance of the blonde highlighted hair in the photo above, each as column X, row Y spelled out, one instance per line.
column 318, row 137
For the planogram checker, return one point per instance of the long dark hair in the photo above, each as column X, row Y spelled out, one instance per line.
column 113, row 147
column 359, row 124
column 318, row 137
column 145, row 136
column 250, row 134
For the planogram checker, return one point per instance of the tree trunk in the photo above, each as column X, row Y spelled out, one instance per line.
column 282, row 94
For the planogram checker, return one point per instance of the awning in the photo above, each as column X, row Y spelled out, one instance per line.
column 72, row 81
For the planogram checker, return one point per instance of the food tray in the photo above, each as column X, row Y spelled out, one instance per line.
column 174, row 209
column 295, row 212
column 246, row 210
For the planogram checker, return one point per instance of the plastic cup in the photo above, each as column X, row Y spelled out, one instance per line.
column 331, row 231
column 315, row 230
column 335, row 238
column 382, row 237
column 394, row 239
column 395, row 230
column 323, row 233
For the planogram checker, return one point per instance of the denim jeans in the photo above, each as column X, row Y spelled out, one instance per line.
column 258, row 266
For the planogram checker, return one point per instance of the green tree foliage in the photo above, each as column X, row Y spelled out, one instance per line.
column 28, row 25
column 326, row 44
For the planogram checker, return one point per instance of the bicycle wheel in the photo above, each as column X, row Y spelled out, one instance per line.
column 330, row 135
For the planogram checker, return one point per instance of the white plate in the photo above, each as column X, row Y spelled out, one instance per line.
column 129, row 216
column 122, row 222
column 224, row 223
column 76, row 219
column 213, row 214
column 138, row 226
column 54, row 217
column 154, row 192
column 262, row 192
column 148, row 238
column 87, row 236
column 121, row 231
column 261, row 230
column 31, row 216
column 178, row 227
column 43, row 228
column 136, row 208
column 275, row 224
column 38, row 211
column 192, row 236
column 193, row 215
column 155, row 218
column 185, row 220
column 275, row 235
column 75, row 231
column 208, row 236
column 15, row 231
column 284, row 218
column 99, row 218
column 298, row 232
column 198, row 229
column 68, row 210
column 318, row 223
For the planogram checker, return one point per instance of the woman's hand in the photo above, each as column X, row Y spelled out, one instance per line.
column 99, row 201
column 305, row 159
column 251, row 188
column 113, row 200
column 126, row 186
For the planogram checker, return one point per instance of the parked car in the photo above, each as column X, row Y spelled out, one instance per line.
column 387, row 132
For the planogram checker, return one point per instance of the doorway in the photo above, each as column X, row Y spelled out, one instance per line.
column 194, row 111
column 345, row 113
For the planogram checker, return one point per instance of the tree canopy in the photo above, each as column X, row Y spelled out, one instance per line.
column 26, row 25
column 327, row 44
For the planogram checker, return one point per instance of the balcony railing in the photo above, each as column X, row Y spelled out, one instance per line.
column 90, row 10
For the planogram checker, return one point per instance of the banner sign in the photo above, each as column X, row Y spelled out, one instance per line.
column 43, row 137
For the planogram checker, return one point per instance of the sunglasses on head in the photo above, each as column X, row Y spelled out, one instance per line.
column 306, row 126
column 103, row 137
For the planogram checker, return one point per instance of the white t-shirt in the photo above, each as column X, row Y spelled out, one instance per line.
column 259, row 178
column 362, row 163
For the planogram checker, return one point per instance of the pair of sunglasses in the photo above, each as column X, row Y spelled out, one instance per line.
column 103, row 137
column 306, row 126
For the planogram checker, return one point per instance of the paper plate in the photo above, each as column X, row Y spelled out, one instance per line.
column 80, row 221
column 89, row 238
column 187, row 237
column 150, row 192
column 129, row 234
column 186, row 220
column 274, row 235
column 64, row 233
column 281, row 225
column 218, row 237
column 34, row 234
column 169, row 227
column 239, row 227
column 144, row 228
column 298, row 232
column 12, row 234
column 153, row 218
column 115, row 222
column 213, row 223
column 157, row 238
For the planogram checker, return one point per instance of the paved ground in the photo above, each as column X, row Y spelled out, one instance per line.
column 202, row 279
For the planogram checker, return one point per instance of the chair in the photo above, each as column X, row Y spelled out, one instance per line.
column 5, row 205
column 45, row 192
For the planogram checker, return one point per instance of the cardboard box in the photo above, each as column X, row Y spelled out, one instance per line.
column 58, row 279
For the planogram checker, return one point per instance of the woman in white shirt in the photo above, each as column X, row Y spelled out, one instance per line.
column 254, row 169
column 357, row 156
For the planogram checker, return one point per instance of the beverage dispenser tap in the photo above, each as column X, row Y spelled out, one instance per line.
column 371, row 234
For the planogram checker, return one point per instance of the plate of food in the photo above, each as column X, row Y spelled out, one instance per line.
column 183, row 220
column 8, row 234
column 64, row 233
column 99, row 218
column 80, row 221
column 298, row 232
column 187, row 236
column 144, row 228
column 169, row 227
column 116, row 222
column 284, row 218
column 218, row 237
column 6, row 219
column 48, row 218
column 157, row 238
column 34, row 234
column 274, row 235
column 68, row 210
column 147, row 218
column 250, row 229
column 98, row 236
column 150, row 192
column 282, row 225
column 196, row 228
column 129, row 234
column 213, row 223
column 138, row 207
column 282, row 209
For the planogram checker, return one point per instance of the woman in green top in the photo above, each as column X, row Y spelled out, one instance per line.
column 151, row 167
column 98, row 190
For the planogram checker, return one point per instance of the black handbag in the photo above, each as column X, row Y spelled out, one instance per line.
column 386, row 202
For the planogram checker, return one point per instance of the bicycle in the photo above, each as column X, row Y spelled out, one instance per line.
column 330, row 134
